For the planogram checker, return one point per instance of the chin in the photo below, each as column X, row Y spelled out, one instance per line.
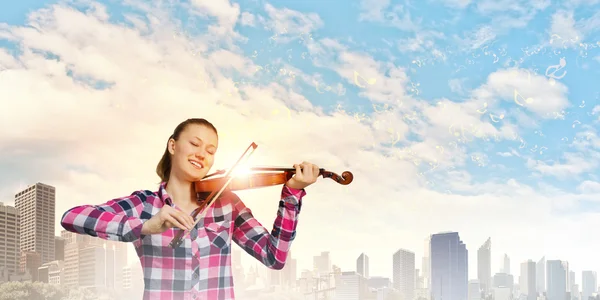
column 196, row 175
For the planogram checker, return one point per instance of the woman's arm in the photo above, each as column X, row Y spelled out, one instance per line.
column 271, row 249
column 118, row 219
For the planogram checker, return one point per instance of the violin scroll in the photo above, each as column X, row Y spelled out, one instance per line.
column 345, row 179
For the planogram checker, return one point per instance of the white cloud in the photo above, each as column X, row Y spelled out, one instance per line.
column 589, row 187
column 248, row 19
column 226, row 13
column 290, row 24
column 563, row 26
column 530, row 91
column 477, row 38
column 379, row 11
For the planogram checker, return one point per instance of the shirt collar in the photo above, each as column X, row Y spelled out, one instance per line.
column 163, row 195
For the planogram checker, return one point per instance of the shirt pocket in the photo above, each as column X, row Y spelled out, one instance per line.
column 218, row 235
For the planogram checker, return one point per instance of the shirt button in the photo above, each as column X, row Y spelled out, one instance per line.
column 195, row 276
column 194, row 296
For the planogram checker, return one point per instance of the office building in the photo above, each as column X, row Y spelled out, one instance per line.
column 403, row 274
column 449, row 267
column 362, row 265
column 36, row 208
column 484, row 266
column 9, row 239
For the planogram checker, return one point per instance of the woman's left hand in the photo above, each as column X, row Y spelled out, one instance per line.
column 306, row 174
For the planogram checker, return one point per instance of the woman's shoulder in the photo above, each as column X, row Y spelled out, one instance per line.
column 142, row 195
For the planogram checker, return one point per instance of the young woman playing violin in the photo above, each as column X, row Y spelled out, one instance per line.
column 201, row 267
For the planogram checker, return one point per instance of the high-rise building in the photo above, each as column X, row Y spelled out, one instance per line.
column 36, row 206
column 426, row 263
column 503, row 280
column 403, row 275
column 484, row 266
column 540, row 275
column 30, row 261
column 239, row 277
column 556, row 279
column 352, row 286
column 474, row 290
column 322, row 263
column 289, row 271
column 59, row 248
column 527, row 280
column 506, row 264
column 9, row 239
column 362, row 265
column 91, row 261
column 589, row 284
column 449, row 267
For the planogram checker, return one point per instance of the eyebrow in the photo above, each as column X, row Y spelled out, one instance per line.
column 210, row 145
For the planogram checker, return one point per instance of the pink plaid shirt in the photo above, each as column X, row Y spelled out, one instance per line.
column 200, row 268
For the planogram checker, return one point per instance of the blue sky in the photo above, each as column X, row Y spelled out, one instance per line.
column 448, row 68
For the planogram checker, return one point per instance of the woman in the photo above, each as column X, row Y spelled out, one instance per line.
column 200, row 268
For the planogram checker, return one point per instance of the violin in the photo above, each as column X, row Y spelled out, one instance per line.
column 264, row 176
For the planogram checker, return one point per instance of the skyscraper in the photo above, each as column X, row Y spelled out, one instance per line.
column 571, row 282
column 9, row 239
column 362, row 265
column 426, row 263
column 36, row 206
column 484, row 265
column 449, row 267
column 527, row 280
column 404, row 273
column 589, row 284
column 540, row 275
column 556, row 279
column 506, row 264
column 322, row 264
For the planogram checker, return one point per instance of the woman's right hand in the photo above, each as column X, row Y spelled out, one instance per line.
column 167, row 217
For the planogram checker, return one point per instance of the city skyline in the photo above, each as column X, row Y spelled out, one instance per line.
column 451, row 117
column 94, row 262
column 247, row 261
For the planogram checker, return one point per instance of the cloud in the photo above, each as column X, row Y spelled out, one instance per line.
column 563, row 25
column 589, row 187
column 530, row 91
column 397, row 16
column 293, row 21
column 459, row 4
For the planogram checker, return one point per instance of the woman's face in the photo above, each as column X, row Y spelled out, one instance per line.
column 193, row 153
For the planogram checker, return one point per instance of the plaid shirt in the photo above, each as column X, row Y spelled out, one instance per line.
column 200, row 268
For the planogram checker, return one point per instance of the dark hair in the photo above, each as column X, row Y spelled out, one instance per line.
column 163, row 169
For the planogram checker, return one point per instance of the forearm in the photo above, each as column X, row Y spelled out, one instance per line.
column 94, row 222
column 271, row 249
column 116, row 220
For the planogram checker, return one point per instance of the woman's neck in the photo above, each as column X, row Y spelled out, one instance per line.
column 181, row 192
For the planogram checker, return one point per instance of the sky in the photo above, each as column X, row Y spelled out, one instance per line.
column 477, row 117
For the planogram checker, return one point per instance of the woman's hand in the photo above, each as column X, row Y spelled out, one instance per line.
column 306, row 174
column 167, row 217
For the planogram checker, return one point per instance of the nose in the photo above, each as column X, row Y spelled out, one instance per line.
column 200, row 153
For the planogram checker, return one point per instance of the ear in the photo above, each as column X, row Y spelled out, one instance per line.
column 171, row 146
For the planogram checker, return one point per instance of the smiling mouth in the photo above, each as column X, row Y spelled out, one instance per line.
column 196, row 164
